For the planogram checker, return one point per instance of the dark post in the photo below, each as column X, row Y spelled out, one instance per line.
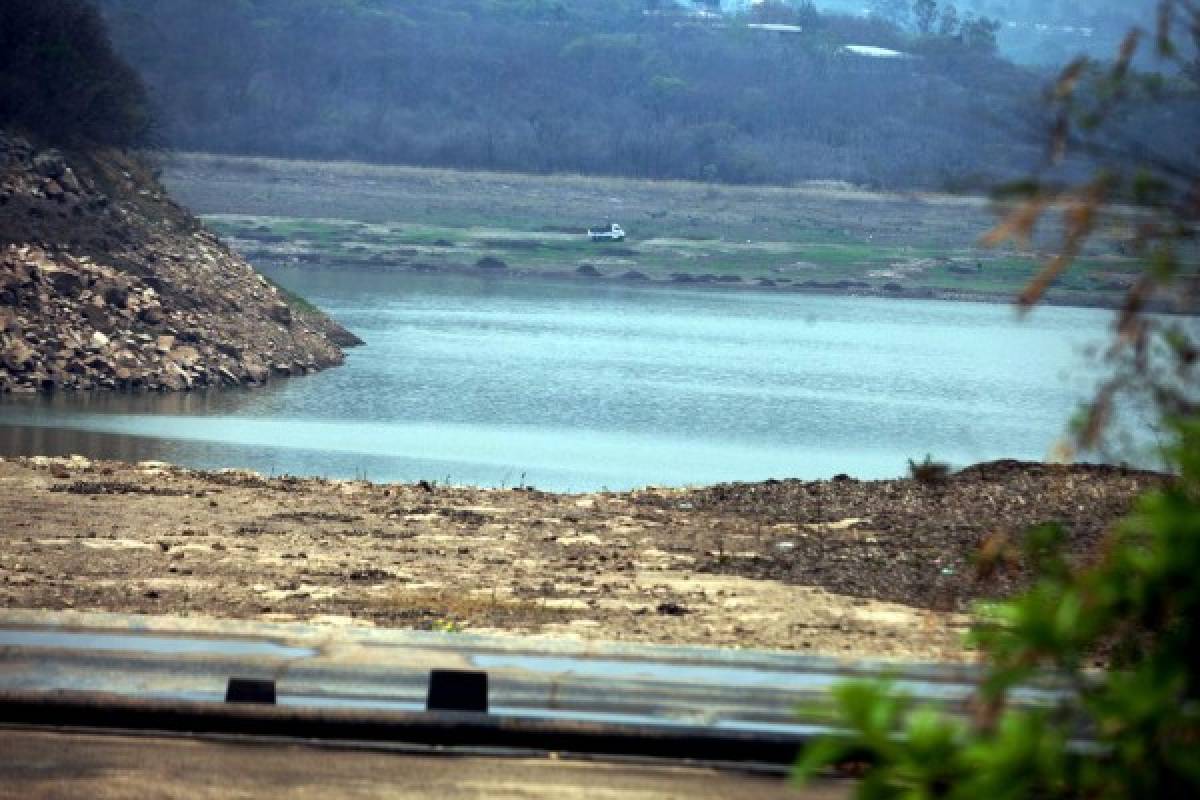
column 457, row 690
column 248, row 690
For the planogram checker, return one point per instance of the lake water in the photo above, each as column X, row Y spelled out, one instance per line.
column 574, row 386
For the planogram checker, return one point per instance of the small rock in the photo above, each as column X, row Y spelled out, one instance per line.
column 97, row 317
column 116, row 296
column 151, row 315
column 185, row 355
column 50, row 164
column 672, row 609
column 69, row 181
column 98, row 341
column 18, row 357
column 257, row 373
column 281, row 313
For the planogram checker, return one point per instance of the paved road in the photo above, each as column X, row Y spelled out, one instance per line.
column 163, row 657
column 36, row 765
column 342, row 686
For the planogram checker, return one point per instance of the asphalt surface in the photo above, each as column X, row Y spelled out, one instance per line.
column 38, row 764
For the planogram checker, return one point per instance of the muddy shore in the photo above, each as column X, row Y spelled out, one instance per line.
column 843, row 567
column 820, row 238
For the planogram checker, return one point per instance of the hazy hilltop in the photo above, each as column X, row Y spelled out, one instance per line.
column 1044, row 32
column 777, row 93
column 1054, row 31
column 629, row 88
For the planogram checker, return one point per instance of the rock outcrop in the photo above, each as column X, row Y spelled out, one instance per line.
column 105, row 283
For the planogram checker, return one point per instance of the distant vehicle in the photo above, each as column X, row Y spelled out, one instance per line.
column 611, row 232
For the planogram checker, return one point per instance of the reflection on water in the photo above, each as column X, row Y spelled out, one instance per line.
column 203, row 402
column 578, row 386
column 22, row 440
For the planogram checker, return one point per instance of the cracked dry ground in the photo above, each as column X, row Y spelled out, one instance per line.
column 844, row 568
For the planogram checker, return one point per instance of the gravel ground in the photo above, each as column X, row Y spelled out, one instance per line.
column 915, row 543
column 856, row 569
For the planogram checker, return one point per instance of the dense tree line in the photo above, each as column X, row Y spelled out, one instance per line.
column 61, row 80
column 623, row 87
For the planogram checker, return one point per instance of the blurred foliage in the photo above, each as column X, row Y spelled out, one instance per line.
column 1139, row 194
column 1131, row 728
column 61, row 80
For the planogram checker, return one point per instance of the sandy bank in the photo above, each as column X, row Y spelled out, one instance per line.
column 847, row 568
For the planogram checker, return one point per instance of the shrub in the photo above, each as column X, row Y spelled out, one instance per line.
column 60, row 79
column 928, row 472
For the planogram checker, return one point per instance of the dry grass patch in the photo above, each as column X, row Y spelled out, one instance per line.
column 450, row 609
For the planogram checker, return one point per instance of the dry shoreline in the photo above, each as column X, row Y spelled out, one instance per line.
column 1056, row 299
column 823, row 239
column 843, row 568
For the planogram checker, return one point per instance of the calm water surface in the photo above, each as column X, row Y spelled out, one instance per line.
column 576, row 387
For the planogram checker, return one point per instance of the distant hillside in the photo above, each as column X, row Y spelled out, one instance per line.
column 618, row 87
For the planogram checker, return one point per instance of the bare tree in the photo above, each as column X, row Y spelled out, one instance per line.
column 894, row 11
column 948, row 24
column 925, row 13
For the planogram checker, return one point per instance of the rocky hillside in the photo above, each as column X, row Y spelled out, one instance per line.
column 105, row 283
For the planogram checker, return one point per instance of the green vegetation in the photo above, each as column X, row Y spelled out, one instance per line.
column 294, row 300
column 61, row 81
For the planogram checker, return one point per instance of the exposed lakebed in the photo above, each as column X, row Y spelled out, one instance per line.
column 570, row 386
